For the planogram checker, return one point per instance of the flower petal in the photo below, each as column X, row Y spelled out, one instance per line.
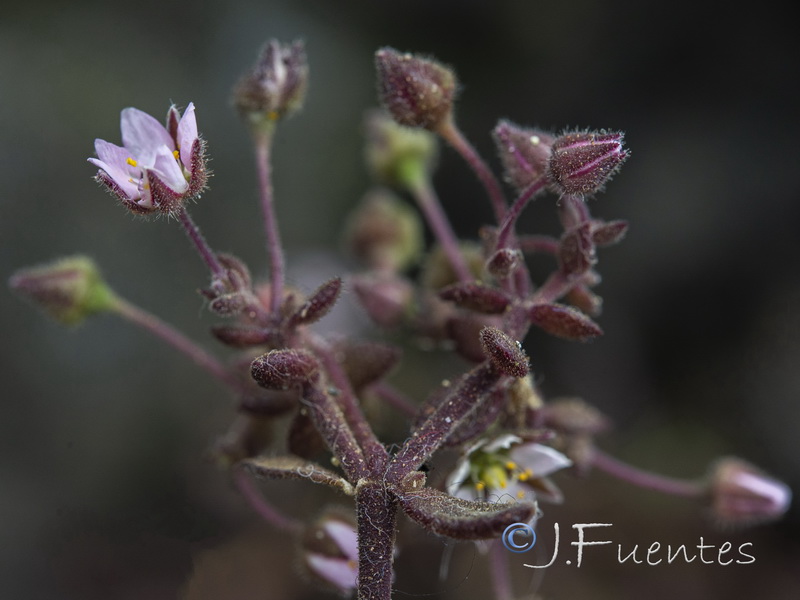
column 337, row 571
column 540, row 459
column 503, row 442
column 457, row 477
column 345, row 537
column 112, row 160
column 187, row 134
column 168, row 170
column 142, row 135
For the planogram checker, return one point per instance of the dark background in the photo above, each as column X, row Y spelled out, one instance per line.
column 105, row 490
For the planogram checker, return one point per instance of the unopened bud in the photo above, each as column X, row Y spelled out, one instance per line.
column 477, row 297
column 397, row 155
column 524, row 153
column 385, row 232
column 386, row 298
column 564, row 322
column 69, row 289
column 418, row 92
column 281, row 369
column 503, row 262
column 276, row 86
column 330, row 549
column 741, row 494
column 506, row 354
column 582, row 162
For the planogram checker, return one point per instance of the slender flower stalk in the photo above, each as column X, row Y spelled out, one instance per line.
column 506, row 233
column 453, row 136
column 263, row 148
column 244, row 484
column 177, row 340
column 430, row 206
column 646, row 479
column 196, row 237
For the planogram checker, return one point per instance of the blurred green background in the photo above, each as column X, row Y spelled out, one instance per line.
column 105, row 491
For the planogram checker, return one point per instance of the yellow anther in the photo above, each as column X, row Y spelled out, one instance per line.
column 273, row 115
column 503, row 483
column 131, row 162
column 520, row 494
column 525, row 475
column 480, row 486
column 176, row 154
column 511, row 465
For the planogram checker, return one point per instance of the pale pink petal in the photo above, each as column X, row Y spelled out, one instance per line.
column 540, row 459
column 168, row 170
column 142, row 135
column 118, row 156
column 339, row 571
column 345, row 537
column 457, row 477
column 187, row 134
column 112, row 160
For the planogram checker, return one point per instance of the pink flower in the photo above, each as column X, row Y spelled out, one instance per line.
column 332, row 553
column 157, row 167
column 741, row 494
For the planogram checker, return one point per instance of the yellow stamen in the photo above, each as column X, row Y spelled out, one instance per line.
column 131, row 162
column 511, row 465
column 520, row 494
column 176, row 154
column 273, row 115
column 525, row 475
column 503, row 483
column 480, row 486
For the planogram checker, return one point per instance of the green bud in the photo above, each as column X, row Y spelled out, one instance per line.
column 397, row 155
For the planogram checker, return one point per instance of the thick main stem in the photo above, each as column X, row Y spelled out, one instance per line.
column 646, row 479
column 437, row 220
column 263, row 146
column 453, row 136
column 196, row 237
column 177, row 340
column 376, row 511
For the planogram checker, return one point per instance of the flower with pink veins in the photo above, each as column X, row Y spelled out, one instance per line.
column 157, row 167
column 507, row 466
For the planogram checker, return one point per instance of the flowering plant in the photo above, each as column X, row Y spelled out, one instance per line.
column 479, row 299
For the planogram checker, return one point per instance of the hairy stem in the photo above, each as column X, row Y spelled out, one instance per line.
column 647, row 479
column 453, row 136
column 196, row 237
column 263, row 148
column 507, row 228
column 437, row 220
column 376, row 511
column 177, row 340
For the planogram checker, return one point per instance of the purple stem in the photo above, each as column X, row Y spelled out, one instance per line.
column 196, row 237
column 263, row 146
column 544, row 244
column 453, row 136
column 646, row 479
column 376, row 511
column 265, row 510
column 432, row 209
column 507, row 228
column 498, row 565
column 180, row 342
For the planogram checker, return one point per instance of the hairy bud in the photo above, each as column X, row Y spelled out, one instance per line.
column 506, row 354
column 69, row 289
column 276, row 86
column 582, row 162
column 524, row 153
column 281, row 369
column 418, row 92
column 741, row 494
column 503, row 262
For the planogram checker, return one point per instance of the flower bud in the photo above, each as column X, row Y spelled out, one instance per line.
column 69, row 289
column 385, row 232
column 742, row 494
column 330, row 549
column 276, row 86
column 582, row 161
column 418, row 92
column 281, row 369
column 524, row 153
column 397, row 155
column 564, row 322
column 386, row 298
column 503, row 262
column 505, row 353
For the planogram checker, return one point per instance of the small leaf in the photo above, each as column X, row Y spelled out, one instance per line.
column 564, row 322
column 238, row 336
column 291, row 467
column 606, row 234
column 462, row 519
column 505, row 353
column 477, row 297
column 280, row 369
column 576, row 253
column 228, row 304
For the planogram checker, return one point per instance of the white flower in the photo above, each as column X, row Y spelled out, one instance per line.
column 507, row 466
